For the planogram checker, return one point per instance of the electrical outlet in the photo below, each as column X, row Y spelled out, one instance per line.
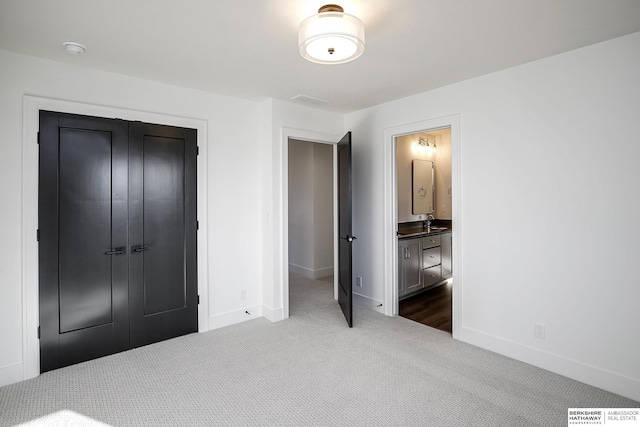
column 538, row 331
column 359, row 281
column 243, row 295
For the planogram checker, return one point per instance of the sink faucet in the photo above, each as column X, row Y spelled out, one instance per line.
column 428, row 222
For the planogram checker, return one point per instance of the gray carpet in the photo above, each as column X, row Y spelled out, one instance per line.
column 309, row 370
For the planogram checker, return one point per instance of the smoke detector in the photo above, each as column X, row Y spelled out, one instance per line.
column 74, row 48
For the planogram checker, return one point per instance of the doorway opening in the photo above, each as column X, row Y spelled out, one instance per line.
column 424, row 207
column 392, row 250
column 311, row 236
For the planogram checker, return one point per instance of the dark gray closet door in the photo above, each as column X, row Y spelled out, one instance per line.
column 82, row 219
column 162, row 219
column 117, row 224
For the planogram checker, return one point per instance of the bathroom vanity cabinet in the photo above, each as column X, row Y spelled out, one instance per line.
column 409, row 266
column 431, row 260
column 423, row 262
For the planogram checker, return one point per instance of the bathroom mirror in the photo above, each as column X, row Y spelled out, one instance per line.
column 422, row 182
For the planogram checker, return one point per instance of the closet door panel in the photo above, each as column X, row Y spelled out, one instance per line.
column 82, row 218
column 162, row 281
column 163, row 221
column 85, row 229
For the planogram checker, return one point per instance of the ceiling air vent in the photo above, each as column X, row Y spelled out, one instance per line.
column 309, row 100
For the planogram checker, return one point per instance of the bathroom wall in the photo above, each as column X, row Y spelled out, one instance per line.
column 406, row 151
column 443, row 175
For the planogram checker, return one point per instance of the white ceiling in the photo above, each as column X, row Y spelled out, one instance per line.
column 248, row 48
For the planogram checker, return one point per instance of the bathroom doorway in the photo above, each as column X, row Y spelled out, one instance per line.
column 424, row 228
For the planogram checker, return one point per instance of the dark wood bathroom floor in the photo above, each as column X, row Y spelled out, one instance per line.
column 431, row 308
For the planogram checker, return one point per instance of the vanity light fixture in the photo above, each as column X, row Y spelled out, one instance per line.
column 331, row 36
column 425, row 146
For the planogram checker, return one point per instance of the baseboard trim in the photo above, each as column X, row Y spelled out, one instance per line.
column 272, row 315
column 588, row 374
column 11, row 374
column 232, row 317
column 368, row 302
column 310, row 273
column 322, row 272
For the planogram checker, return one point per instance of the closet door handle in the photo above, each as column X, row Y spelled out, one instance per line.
column 117, row 251
column 138, row 249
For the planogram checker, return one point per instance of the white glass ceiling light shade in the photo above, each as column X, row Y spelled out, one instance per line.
column 331, row 36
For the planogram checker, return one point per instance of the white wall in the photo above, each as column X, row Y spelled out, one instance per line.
column 323, row 210
column 310, row 208
column 549, row 210
column 232, row 146
column 301, row 199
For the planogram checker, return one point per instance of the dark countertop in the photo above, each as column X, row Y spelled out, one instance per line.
column 413, row 232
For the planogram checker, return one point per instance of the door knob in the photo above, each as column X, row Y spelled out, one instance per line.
column 138, row 249
column 349, row 238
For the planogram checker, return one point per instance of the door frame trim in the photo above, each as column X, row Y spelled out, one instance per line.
column 29, row 190
column 390, row 214
column 316, row 137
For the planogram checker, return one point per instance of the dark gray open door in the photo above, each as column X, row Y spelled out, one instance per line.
column 345, row 291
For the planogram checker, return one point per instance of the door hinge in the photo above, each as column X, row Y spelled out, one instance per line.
column 198, row 299
column 197, row 150
column 38, row 332
column 38, row 141
column 197, row 225
column 38, row 235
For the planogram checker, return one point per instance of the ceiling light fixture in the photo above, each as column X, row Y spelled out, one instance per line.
column 74, row 48
column 331, row 36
